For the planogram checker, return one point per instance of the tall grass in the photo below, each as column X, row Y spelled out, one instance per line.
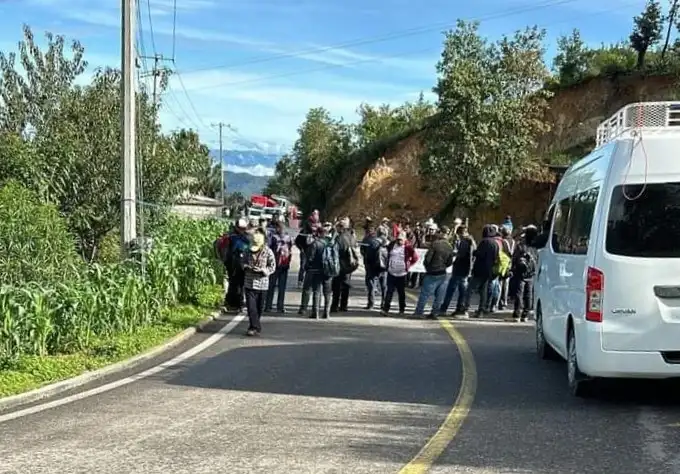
column 50, row 317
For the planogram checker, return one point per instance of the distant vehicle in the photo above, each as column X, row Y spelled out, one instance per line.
column 607, row 290
column 268, row 206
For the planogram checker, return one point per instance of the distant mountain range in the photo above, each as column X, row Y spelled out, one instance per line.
column 244, row 183
column 253, row 162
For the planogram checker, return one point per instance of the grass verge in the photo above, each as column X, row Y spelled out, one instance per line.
column 31, row 372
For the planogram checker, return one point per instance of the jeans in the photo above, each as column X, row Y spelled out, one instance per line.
column 505, row 293
column 432, row 285
column 375, row 281
column 341, row 288
column 255, row 304
column 277, row 282
column 318, row 284
column 456, row 283
column 395, row 283
column 479, row 285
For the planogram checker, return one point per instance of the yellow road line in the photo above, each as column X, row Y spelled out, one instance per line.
column 448, row 430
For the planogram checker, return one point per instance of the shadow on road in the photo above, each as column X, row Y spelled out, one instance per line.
column 335, row 360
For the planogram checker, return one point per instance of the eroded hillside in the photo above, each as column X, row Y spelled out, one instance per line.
column 389, row 183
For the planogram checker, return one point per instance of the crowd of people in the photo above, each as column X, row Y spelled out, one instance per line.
column 500, row 268
column 257, row 258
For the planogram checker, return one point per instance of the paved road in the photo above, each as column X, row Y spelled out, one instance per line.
column 355, row 394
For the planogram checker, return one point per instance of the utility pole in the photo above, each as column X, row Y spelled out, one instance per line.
column 129, row 211
column 223, row 193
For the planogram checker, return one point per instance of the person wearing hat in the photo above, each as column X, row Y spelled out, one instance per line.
column 259, row 265
column 235, row 252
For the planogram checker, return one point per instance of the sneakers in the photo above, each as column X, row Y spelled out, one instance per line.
column 252, row 332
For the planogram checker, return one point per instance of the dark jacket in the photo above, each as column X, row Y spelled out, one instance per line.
column 486, row 254
column 524, row 262
column 464, row 249
column 347, row 243
column 438, row 258
column 371, row 250
column 314, row 253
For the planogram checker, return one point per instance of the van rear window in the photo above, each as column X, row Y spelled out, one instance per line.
column 644, row 221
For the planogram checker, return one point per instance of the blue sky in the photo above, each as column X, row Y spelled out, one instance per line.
column 259, row 65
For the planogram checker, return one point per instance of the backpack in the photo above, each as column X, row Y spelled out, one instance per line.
column 330, row 260
column 526, row 265
column 353, row 259
column 502, row 265
column 220, row 245
column 372, row 258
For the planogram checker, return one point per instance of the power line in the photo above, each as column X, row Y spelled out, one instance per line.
column 390, row 36
column 153, row 41
column 174, row 28
column 267, row 78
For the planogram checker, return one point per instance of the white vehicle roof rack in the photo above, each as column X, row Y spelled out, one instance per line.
column 645, row 116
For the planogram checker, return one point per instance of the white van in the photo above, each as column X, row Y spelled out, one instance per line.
column 607, row 288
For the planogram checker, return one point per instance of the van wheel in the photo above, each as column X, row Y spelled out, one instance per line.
column 580, row 385
column 543, row 349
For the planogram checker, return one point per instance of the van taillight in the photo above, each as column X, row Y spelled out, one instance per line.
column 594, row 290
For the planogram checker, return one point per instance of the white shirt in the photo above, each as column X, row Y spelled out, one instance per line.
column 397, row 263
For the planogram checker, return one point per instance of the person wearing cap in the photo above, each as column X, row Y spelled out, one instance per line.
column 400, row 257
column 239, row 242
column 259, row 264
column 385, row 226
column 437, row 260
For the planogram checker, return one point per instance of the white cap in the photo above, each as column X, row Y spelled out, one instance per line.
column 242, row 223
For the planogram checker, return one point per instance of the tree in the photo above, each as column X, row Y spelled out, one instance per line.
column 63, row 141
column 31, row 90
column 285, row 179
column 319, row 154
column 491, row 105
column 647, row 30
column 670, row 18
column 571, row 61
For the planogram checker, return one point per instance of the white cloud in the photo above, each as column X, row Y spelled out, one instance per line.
column 257, row 170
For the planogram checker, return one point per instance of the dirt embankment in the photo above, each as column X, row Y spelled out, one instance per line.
column 391, row 186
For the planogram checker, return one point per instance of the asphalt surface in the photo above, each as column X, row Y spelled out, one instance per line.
column 356, row 394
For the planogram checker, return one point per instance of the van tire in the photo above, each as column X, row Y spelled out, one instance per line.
column 543, row 348
column 580, row 385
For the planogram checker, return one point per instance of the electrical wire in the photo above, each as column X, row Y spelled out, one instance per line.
column 267, row 78
column 389, row 36
column 153, row 40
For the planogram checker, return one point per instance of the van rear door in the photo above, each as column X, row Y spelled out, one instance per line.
column 641, row 265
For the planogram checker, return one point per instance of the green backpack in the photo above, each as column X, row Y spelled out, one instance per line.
column 502, row 265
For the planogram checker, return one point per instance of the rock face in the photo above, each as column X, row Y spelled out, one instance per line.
column 392, row 187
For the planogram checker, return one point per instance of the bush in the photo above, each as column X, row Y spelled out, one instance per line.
column 35, row 245
column 101, row 301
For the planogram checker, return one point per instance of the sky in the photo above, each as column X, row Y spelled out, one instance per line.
column 260, row 65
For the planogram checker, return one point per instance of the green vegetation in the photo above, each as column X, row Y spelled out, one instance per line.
column 327, row 147
column 483, row 130
column 67, row 302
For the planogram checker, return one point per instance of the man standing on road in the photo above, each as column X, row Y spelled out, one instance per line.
column 438, row 258
column 281, row 245
column 316, row 279
column 400, row 256
column 259, row 265
column 239, row 241
column 374, row 250
column 462, row 265
column 349, row 262
column 482, row 270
